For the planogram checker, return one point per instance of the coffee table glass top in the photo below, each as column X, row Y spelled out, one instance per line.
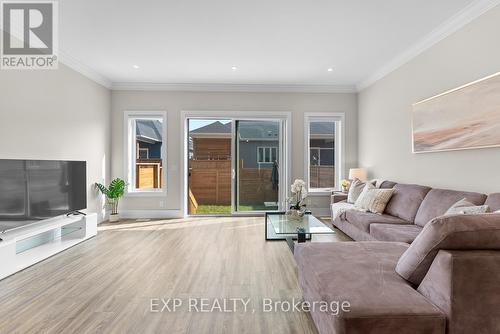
column 284, row 224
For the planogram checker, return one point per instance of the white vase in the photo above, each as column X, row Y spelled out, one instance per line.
column 296, row 214
column 113, row 218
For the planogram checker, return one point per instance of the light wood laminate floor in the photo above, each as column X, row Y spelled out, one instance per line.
column 105, row 285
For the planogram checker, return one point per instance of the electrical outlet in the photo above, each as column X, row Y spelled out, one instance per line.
column 162, row 204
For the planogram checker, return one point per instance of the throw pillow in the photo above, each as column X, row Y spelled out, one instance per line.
column 465, row 207
column 339, row 208
column 355, row 190
column 373, row 199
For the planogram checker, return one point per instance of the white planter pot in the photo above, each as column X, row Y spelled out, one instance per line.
column 114, row 218
column 296, row 214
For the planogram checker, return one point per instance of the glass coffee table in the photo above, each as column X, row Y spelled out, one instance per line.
column 280, row 226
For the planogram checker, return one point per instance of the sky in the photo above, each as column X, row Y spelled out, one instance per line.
column 198, row 123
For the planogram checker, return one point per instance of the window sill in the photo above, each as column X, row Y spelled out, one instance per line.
column 317, row 193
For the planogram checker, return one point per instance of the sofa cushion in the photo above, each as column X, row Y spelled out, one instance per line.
column 363, row 220
column 438, row 201
column 362, row 273
column 395, row 232
column 339, row 208
column 406, row 200
column 373, row 199
column 455, row 232
column 493, row 201
column 387, row 185
column 352, row 231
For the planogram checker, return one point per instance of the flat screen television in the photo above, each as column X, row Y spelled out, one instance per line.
column 33, row 190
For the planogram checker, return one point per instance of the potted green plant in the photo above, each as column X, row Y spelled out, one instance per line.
column 113, row 193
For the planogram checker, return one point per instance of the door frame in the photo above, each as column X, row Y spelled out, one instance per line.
column 285, row 155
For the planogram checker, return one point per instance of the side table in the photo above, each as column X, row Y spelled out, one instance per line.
column 338, row 196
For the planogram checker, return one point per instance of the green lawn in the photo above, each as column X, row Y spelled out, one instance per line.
column 206, row 209
column 213, row 209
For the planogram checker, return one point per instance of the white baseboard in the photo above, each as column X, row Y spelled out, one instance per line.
column 158, row 214
column 135, row 214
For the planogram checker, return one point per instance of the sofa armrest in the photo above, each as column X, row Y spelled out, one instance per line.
column 464, row 284
column 338, row 197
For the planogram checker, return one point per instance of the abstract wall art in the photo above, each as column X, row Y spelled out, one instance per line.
column 463, row 118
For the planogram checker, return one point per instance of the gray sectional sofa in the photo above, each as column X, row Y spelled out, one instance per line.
column 445, row 281
column 410, row 208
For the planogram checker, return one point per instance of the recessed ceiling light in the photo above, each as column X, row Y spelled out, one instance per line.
column 330, row 69
column 136, row 67
column 234, row 68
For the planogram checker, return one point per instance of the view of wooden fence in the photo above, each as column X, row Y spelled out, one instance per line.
column 210, row 182
column 322, row 176
column 149, row 174
column 256, row 186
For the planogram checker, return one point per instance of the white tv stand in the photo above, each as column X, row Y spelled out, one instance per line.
column 28, row 245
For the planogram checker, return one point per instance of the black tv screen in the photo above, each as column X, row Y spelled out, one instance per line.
column 31, row 190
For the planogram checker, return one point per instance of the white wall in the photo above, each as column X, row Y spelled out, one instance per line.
column 175, row 102
column 385, row 112
column 60, row 115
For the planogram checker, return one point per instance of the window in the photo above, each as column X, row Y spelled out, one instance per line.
column 267, row 154
column 321, row 156
column 323, row 149
column 146, row 152
column 143, row 153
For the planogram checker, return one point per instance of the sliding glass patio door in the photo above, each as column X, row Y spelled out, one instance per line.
column 258, row 148
column 234, row 166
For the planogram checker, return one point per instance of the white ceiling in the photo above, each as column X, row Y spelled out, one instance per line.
column 272, row 42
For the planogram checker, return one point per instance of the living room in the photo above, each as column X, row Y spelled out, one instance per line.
column 261, row 167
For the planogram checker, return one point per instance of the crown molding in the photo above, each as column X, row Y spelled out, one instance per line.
column 84, row 69
column 462, row 18
column 251, row 88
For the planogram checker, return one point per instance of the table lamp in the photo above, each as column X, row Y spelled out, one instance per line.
column 358, row 173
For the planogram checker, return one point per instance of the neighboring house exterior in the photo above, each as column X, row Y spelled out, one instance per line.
column 322, row 144
column 258, row 144
column 217, row 148
column 322, row 155
column 149, row 139
column 149, row 160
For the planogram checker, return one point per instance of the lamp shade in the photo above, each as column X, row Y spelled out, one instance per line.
column 357, row 173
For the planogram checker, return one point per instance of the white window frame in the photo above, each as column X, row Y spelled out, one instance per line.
column 268, row 151
column 130, row 152
column 339, row 119
column 143, row 149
